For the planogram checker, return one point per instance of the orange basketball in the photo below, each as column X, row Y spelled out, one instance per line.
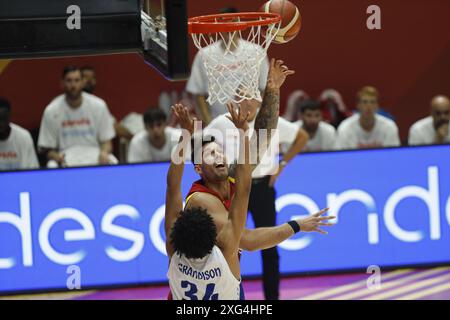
column 291, row 20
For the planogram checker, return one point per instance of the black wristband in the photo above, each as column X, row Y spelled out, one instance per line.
column 295, row 226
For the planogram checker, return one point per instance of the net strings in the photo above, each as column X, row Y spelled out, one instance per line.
column 233, row 68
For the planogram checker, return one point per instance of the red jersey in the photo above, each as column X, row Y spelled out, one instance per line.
column 199, row 186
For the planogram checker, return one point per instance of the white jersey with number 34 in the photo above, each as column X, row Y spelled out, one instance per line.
column 209, row 278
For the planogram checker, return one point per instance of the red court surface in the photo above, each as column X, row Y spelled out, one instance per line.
column 404, row 284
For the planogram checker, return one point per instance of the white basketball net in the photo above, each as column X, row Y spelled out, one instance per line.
column 232, row 61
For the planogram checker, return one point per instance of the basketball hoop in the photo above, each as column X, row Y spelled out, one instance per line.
column 233, row 46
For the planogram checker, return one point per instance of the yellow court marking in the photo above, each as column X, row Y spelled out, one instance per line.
column 351, row 286
column 4, row 64
column 411, row 287
column 424, row 293
column 365, row 291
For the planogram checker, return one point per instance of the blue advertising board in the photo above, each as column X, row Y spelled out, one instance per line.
column 393, row 209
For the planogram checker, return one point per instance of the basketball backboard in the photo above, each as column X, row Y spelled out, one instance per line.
column 165, row 36
column 155, row 28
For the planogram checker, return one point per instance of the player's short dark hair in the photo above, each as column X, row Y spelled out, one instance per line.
column 153, row 115
column 229, row 10
column 69, row 69
column 206, row 139
column 4, row 104
column 194, row 233
column 312, row 105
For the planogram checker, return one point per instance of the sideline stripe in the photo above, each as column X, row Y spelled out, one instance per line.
column 353, row 285
column 409, row 288
column 365, row 291
column 424, row 293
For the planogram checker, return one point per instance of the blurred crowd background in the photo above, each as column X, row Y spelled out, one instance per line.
column 354, row 88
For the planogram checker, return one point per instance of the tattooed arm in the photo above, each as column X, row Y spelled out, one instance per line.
column 267, row 117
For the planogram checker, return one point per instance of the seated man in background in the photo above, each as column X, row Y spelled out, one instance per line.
column 295, row 99
column 156, row 142
column 322, row 135
column 16, row 145
column 89, row 79
column 76, row 127
column 89, row 86
column 367, row 129
column 435, row 128
column 334, row 110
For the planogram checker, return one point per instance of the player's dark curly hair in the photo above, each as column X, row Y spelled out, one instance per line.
column 194, row 233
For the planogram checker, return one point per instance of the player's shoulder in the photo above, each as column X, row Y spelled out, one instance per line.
column 205, row 200
column 422, row 123
column 350, row 121
column 298, row 123
column 284, row 125
column 283, row 121
column 94, row 101
column 327, row 128
column 220, row 121
column 173, row 134
column 199, row 196
column 20, row 132
column 386, row 121
column 172, row 131
column 55, row 105
column 139, row 137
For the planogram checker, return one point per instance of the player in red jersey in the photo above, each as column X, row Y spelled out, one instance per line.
column 215, row 190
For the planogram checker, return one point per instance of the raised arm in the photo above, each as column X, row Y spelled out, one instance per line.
column 174, row 198
column 237, row 216
column 265, row 238
column 269, row 111
column 267, row 117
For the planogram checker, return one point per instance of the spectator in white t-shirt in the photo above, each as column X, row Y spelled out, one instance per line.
column 435, row 128
column 16, row 145
column 76, row 127
column 89, row 85
column 322, row 135
column 367, row 129
column 156, row 142
column 198, row 81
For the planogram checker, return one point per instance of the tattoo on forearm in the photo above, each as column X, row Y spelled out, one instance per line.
column 268, row 114
column 267, row 120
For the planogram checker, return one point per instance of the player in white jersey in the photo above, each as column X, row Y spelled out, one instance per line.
column 16, row 145
column 204, row 263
